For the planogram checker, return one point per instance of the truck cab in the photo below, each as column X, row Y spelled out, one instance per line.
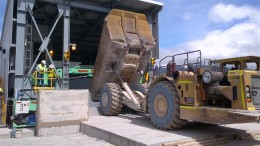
column 242, row 73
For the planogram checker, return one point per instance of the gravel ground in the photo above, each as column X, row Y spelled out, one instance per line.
column 78, row 139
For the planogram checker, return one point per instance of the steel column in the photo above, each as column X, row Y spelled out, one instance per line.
column 66, row 44
column 20, row 45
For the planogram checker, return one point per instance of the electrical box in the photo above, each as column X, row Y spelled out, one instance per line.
column 22, row 107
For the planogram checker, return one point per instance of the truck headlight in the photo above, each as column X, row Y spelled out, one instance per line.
column 247, row 88
column 248, row 95
column 206, row 77
column 210, row 77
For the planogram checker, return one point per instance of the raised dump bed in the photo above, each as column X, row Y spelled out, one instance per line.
column 124, row 49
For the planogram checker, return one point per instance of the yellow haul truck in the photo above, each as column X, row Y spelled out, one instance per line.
column 214, row 93
column 186, row 92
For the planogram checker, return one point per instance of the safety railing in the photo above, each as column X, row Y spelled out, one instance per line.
column 161, row 67
column 43, row 81
column 186, row 62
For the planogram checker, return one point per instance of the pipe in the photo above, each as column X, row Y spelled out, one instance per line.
column 131, row 94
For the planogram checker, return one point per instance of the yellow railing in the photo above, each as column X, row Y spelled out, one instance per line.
column 50, row 80
column 3, row 109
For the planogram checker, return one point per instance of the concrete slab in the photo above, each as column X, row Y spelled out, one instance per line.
column 26, row 132
column 61, row 111
column 137, row 130
column 77, row 139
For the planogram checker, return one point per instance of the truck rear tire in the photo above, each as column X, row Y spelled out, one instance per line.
column 111, row 99
column 143, row 88
column 164, row 106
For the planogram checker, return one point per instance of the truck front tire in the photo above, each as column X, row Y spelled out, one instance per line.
column 164, row 106
column 110, row 99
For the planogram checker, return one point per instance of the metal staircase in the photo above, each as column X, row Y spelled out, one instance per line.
column 28, row 46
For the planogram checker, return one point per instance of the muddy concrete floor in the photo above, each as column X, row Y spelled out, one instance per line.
column 78, row 139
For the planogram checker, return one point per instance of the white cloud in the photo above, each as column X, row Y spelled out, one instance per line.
column 228, row 13
column 240, row 39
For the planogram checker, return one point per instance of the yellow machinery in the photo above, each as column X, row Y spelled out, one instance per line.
column 3, row 104
column 23, row 111
column 209, row 94
column 214, row 93
column 124, row 52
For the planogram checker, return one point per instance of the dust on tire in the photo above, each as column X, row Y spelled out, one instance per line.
column 171, row 120
column 115, row 101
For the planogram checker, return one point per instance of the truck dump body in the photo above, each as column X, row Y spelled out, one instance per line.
column 125, row 46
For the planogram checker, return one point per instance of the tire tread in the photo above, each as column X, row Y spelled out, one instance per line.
column 116, row 101
column 176, row 122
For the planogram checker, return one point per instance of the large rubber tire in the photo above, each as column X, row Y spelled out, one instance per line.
column 143, row 88
column 110, row 99
column 164, row 106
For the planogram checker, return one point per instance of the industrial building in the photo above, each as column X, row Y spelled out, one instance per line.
column 36, row 30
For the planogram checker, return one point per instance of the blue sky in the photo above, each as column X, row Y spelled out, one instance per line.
column 220, row 28
column 2, row 12
column 186, row 20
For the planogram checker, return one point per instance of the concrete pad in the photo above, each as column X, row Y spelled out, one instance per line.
column 61, row 111
column 26, row 132
column 137, row 130
column 77, row 139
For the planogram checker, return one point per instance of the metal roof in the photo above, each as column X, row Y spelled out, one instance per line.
column 245, row 59
column 86, row 20
column 107, row 5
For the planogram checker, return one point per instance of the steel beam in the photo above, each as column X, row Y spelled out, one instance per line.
column 80, row 17
column 35, row 23
column 90, row 7
column 44, row 44
column 66, row 44
column 20, row 44
column 46, row 40
column 83, row 5
column 41, row 13
column 91, row 29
